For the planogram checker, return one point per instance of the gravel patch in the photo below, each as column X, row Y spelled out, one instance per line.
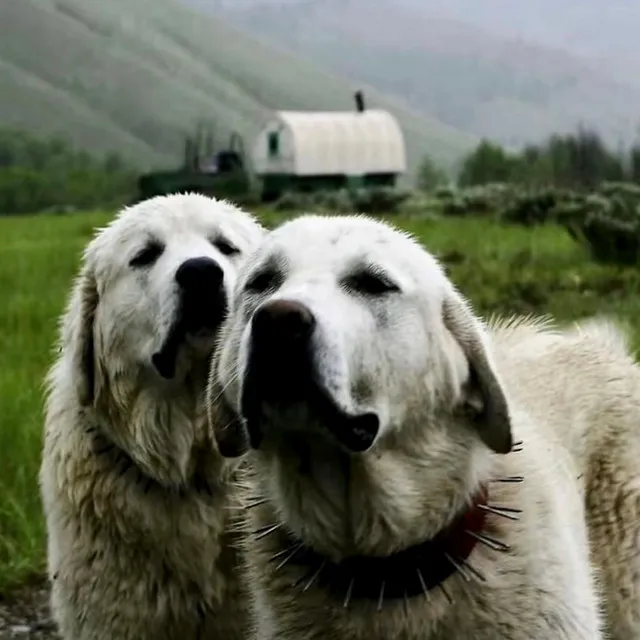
column 24, row 613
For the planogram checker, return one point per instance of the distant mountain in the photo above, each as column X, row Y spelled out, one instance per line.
column 602, row 31
column 136, row 75
column 495, row 68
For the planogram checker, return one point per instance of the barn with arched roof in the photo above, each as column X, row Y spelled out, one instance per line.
column 314, row 150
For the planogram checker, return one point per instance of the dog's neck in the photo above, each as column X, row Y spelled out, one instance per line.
column 177, row 461
column 414, row 571
column 118, row 461
column 376, row 575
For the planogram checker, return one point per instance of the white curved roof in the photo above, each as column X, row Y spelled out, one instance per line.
column 344, row 142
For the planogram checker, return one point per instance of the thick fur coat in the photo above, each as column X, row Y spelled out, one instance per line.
column 412, row 404
column 137, row 500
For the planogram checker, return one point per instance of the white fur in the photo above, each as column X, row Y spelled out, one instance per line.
column 572, row 396
column 136, row 553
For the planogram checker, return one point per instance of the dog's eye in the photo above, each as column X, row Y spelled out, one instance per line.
column 148, row 255
column 262, row 281
column 371, row 284
column 225, row 247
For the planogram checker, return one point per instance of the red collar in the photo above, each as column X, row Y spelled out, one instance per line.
column 411, row 572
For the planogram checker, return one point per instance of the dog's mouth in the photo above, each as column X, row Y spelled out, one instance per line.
column 282, row 395
column 197, row 323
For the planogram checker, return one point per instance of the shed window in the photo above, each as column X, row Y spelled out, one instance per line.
column 273, row 141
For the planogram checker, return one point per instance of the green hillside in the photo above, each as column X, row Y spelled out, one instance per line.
column 135, row 75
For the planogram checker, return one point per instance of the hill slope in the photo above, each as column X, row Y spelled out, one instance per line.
column 135, row 75
column 485, row 83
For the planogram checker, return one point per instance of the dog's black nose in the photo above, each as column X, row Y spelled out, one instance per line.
column 282, row 323
column 280, row 367
column 199, row 275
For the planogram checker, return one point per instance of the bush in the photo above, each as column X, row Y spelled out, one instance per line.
column 375, row 200
column 531, row 208
column 37, row 175
column 378, row 199
column 607, row 223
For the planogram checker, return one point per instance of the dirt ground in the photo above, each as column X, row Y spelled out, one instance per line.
column 24, row 613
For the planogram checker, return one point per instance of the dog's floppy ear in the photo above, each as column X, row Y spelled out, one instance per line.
column 484, row 397
column 79, row 338
column 226, row 426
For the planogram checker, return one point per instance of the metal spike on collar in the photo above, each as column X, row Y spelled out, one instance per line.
column 486, row 540
column 265, row 531
column 474, row 572
column 347, row 597
column 284, row 552
column 287, row 557
column 256, row 503
column 381, row 597
column 447, row 595
column 423, row 584
column 315, row 575
column 458, row 567
column 505, row 512
column 301, row 579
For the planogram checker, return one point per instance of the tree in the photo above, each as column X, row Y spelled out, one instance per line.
column 37, row 174
column 578, row 161
column 489, row 162
column 430, row 175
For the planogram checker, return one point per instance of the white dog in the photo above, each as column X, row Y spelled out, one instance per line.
column 135, row 496
column 394, row 498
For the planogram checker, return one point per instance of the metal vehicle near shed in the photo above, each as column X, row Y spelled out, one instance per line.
column 296, row 151
column 220, row 173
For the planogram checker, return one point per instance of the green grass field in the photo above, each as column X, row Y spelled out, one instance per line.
column 501, row 269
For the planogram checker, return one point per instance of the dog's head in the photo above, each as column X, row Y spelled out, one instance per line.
column 349, row 347
column 145, row 311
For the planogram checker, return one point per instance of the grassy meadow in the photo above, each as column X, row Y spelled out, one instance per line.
column 502, row 269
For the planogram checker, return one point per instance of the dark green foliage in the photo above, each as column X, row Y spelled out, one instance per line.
column 573, row 180
column 49, row 175
column 378, row 200
column 574, row 161
column 430, row 175
column 606, row 220
column 374, row 200
column 489, row 162
column 533, row 207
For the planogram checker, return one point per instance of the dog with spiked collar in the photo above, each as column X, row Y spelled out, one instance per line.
column 413, row 470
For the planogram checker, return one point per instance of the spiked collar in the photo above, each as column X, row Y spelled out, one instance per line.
column 408, row 573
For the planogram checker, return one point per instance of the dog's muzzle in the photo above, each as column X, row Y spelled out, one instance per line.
column 203, row 301
column 281, row 373
column 202, row 307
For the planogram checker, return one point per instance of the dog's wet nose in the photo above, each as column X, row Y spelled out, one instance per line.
column 199, row 275
column 280, row 365
column 282, row 323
